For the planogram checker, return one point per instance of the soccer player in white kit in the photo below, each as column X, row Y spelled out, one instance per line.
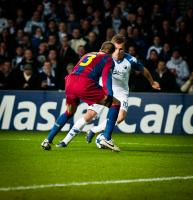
column 123, row 64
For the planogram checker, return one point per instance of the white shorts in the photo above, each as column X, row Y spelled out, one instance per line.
column 122, row 95
column 123, row 98
column 97, row 108
column 124, row 102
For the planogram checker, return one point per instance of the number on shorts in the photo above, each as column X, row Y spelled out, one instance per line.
column 125, row 104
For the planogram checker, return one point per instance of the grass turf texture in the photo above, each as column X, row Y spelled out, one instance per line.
column 24, row 163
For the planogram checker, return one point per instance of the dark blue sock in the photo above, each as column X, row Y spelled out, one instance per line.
column 60, row 122
column 112, row 118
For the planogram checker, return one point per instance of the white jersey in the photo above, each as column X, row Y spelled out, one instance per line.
column 120, row 80
column 121, row 73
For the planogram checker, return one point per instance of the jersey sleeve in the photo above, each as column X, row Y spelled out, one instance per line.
column 107, row 76
column 136, row 64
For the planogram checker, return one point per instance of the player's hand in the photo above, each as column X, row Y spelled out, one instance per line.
column 156, row 85
column 108, row 101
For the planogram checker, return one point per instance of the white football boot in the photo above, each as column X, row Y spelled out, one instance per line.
column 110, row 144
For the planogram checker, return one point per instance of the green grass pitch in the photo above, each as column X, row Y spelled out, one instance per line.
column 28, row 172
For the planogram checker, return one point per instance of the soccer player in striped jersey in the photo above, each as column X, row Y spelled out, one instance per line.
column 83, row 84
column 123, row 64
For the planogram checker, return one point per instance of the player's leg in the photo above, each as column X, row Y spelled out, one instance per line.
column 123, row 97
column 72, row 101
column 114, row 113
column 60, row 122
column 98, row 110
column 101, row 127
column 124, row 106
column 87, row 92
column 78, row 126
column 121, row 116
column 112, row 118
column 95, row 129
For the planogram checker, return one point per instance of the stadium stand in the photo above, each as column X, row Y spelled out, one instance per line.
column 41, row 27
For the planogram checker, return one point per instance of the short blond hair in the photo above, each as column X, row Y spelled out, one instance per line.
column 119, row 39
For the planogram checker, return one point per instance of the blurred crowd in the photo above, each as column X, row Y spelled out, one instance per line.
column 41, row 40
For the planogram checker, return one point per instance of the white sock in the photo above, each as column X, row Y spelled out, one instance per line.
column 75, row 130
column 100, row 127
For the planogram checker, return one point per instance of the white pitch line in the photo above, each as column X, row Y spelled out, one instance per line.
column 130, row 143
column 34, row 187
column 149, row 144
column 19, row 139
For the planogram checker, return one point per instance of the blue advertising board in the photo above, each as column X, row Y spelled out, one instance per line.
column 148, row 112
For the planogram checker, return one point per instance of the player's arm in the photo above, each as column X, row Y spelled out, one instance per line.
column 154, row 84
column 137, row 65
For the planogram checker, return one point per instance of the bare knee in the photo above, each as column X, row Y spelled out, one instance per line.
column 90, row 114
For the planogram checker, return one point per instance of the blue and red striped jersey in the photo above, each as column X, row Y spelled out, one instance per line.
column 95, row 65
